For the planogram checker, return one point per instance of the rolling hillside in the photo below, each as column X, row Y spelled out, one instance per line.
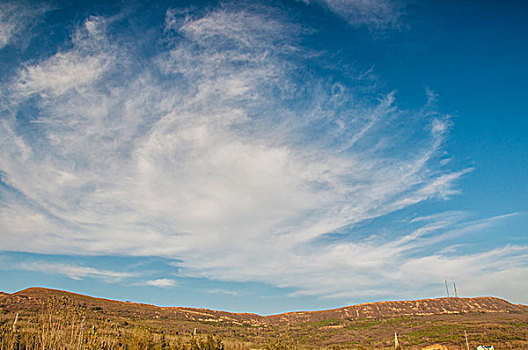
column 370, row 325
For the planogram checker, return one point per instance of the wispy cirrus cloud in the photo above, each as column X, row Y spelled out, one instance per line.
column 75, row 272
column 15, row 18
column 223, row 152
column 233, row 293
column 73, row 69
column 373, row 13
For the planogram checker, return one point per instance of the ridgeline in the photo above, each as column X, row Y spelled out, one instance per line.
column 365, row 326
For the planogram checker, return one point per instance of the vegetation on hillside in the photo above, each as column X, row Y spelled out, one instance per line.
column 46, row 319
column 67, row 326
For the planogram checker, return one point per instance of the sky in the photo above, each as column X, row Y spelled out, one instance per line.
column 264, row 156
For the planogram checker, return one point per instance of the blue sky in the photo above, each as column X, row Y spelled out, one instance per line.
column 264, row 156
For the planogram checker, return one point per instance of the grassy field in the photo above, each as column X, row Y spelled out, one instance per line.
column 60, row 320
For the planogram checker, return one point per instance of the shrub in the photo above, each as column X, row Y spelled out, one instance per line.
column 210, row 343
column 278, row 344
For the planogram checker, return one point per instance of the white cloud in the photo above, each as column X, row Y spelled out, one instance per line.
column 161, row 283
column 233, row 293
column 75, row 272
column 73, row 69
column 15, row 19
column 494, row 272
column 374, row 13
column 7, row 25
column 216, row 153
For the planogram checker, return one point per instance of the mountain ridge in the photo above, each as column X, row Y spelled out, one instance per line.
column 363, row 326
column 420, row 307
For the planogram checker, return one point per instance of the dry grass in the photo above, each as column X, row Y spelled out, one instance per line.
column 59, row 320
column 64, row 325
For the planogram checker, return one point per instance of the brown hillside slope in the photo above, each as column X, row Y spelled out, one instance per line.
column 424, row 307
column 418, row 323
column 31, row 299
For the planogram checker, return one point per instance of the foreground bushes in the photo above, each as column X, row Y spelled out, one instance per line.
column 62, row 325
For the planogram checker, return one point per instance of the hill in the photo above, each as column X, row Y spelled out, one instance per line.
column 370, row 325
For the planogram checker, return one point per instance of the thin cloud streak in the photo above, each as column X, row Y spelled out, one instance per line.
column 161, row 283
column 378, row 14
column 75, row 272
